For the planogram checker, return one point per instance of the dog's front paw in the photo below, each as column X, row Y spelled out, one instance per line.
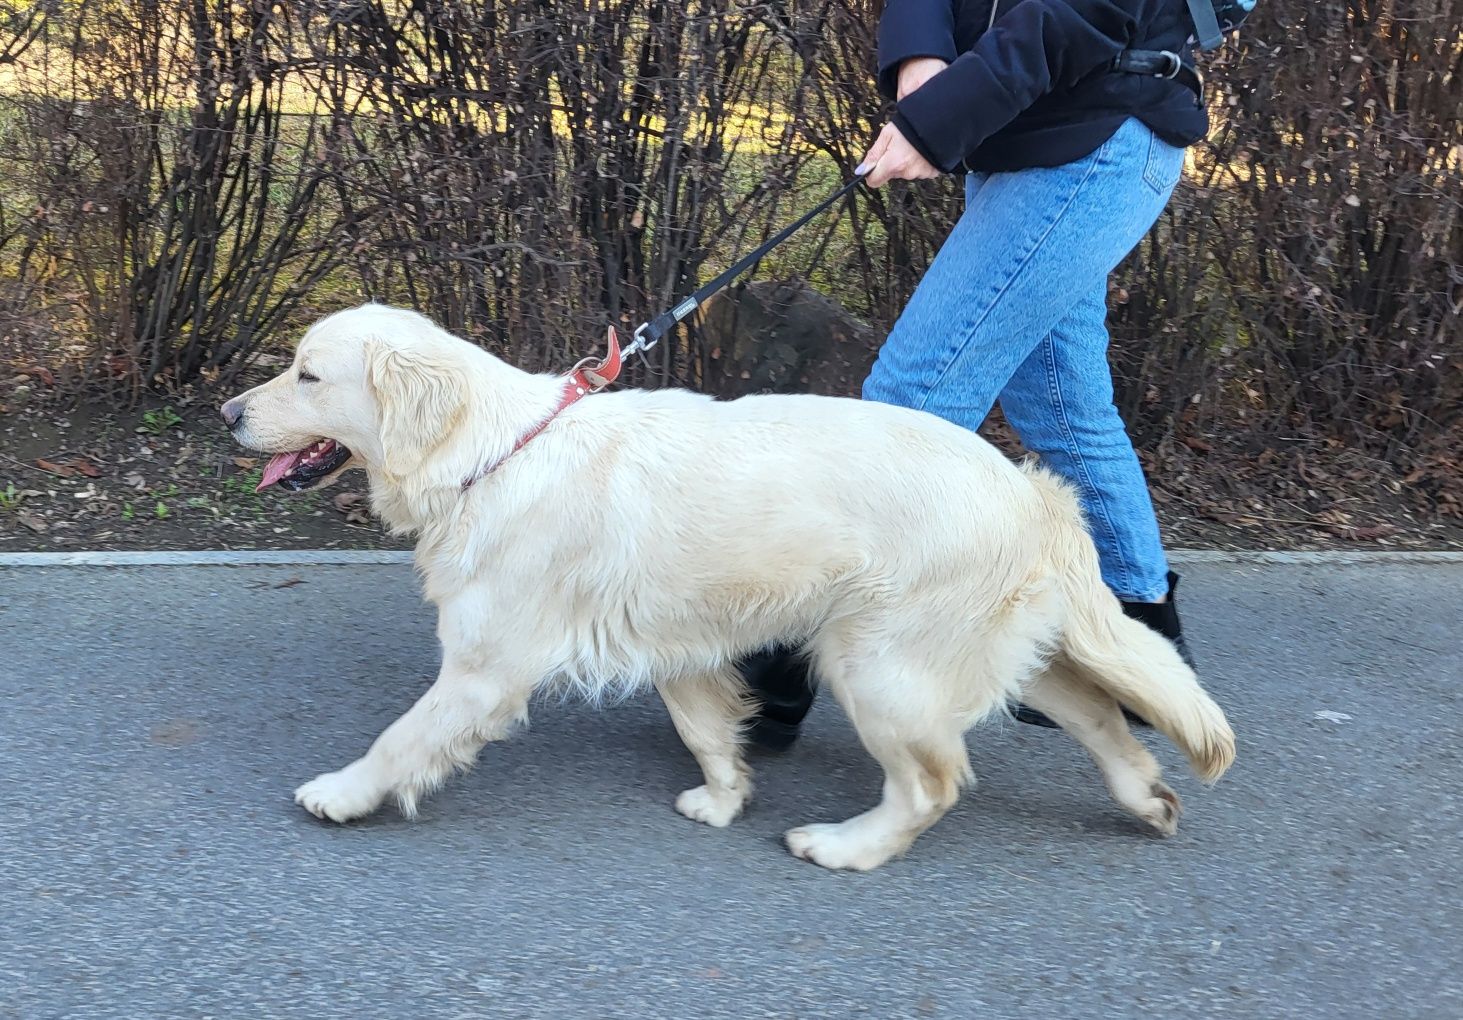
column 841, row 847
column 716, row 809
column 340, row 796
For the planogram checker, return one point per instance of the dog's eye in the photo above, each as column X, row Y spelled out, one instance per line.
column 308, row 377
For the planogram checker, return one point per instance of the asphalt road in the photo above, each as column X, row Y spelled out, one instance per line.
column 154, row 721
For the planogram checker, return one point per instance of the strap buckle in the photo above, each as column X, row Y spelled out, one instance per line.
column 1173, row 65
column 594, row 374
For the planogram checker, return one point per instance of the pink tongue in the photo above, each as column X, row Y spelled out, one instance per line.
column 279, row 465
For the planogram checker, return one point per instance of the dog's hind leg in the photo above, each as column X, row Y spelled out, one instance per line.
column 1095, row 719
column 707, row 710
column 922, row 751
column 468, row 706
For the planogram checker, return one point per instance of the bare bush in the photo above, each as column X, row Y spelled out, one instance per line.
column 1312, row 268
column 186, row 180
column 175, row 203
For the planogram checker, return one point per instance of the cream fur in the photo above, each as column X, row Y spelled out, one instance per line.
column 652, row 537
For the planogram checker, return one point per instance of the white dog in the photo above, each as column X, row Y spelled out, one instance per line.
column 653, row 537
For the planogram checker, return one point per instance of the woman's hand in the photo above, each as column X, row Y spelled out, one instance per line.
column 893, row 159
column 915, row 71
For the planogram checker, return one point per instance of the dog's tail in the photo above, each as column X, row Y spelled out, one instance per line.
column 1138, row 667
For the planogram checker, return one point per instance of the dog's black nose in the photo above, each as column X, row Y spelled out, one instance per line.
column 233, row 412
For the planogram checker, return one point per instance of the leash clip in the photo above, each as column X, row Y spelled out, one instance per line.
column 639, row 343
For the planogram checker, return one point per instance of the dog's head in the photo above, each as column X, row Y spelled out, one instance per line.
column 372, row 387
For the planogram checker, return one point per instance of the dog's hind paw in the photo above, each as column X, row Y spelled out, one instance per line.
column 1162, row 810
column 339, row 796
column 715, row 809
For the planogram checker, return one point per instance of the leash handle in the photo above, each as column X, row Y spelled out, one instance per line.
column 648, row 334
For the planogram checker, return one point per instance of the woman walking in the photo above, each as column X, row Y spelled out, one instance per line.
column 1070, row 150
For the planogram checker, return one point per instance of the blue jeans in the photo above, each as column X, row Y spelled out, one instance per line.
column 1015, row 306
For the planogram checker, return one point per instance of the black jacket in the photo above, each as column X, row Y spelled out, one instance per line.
column 1037, row 89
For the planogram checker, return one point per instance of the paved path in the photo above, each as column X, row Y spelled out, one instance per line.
column 153, row 722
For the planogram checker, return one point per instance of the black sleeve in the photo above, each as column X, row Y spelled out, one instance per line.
column 913, row 28
column 1036, row 47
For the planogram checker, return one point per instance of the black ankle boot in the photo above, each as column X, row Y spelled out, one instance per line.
column 1160, row 617
column 781, row 680
column 1163, row 618
column 1031, row 717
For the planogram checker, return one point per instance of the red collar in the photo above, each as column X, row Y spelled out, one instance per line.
column 589, row 376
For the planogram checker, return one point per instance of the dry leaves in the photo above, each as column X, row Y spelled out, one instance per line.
column 353, row 505
column 40, row 372
column 1367, row 533
column 72, row 468
column 288, row 582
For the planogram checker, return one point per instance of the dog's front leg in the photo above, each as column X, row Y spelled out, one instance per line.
column 440, row 734
column 707, row 711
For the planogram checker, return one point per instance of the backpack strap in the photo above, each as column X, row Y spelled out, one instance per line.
column 1206, row 24
column 1161, row 64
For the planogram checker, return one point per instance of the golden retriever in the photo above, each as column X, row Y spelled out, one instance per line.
column 650, row 538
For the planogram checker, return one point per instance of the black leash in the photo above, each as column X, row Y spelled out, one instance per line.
column 648, row 334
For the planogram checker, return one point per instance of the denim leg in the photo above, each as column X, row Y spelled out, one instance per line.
column 1032, row 249
column 1028, row 247
column 1060, row 401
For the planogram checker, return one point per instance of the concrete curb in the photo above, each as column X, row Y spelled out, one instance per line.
column 390, row 557
column 1317, row 557
column 210, row 558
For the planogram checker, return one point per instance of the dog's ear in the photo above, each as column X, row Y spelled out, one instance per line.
column 421, row 399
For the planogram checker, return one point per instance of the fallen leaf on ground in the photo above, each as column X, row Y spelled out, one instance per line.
column 353, row 505
column 1365, row 534
column 245, row 463
column 176, row 733
column 54, row 468
column 287, row 583
column 86, row 467
column 33, row 522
